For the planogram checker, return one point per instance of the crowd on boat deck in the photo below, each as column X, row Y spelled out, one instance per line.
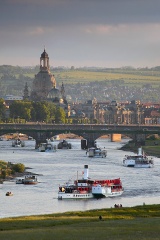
column 66, row 189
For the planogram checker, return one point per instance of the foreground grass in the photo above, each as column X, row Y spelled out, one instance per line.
column 140, row 222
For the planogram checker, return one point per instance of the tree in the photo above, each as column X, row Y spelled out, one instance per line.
column 21, row 109
column 41, row 111
column 60, row 115
column 37, row 111
column 18, row 167
column 52, row 110
column 2, row 109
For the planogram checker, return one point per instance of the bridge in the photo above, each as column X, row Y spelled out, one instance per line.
column 42, row 131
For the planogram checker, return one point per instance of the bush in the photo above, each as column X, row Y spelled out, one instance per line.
column 18, row 167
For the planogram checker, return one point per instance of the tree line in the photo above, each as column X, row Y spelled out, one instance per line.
column 7, row 169
column 42, row 111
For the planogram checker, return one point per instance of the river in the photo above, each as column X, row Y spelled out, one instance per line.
column 54, row 168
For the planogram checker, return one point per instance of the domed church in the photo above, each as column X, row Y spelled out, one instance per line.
column 44, row 84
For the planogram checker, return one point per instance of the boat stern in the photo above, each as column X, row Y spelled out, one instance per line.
column 100, row 191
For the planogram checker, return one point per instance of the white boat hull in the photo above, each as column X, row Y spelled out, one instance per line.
column 62, row 195
column 132, row 163
column 102, row 193
column 96, row 156
column 87, row 195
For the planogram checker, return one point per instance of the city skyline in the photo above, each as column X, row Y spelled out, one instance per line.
column 104, row 33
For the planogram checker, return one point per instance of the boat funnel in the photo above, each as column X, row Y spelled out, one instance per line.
column 85, row 174
column 140, row 151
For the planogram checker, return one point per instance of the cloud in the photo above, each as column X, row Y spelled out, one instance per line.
column 66, row 12
column 36, row 31
column 93, row 32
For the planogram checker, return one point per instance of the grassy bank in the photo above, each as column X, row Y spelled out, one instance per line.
column 141, row 222
column 150, row 148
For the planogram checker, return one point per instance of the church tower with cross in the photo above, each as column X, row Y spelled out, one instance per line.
column 44, row 81
column 44, row 86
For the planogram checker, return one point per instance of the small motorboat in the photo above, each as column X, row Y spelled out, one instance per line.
column 9, row 194
column 96, row 152
column 47, row 147
column 18, row 143
column 20, row 181
column 64, row 145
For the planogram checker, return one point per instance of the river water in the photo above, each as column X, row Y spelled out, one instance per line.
column 54, row 168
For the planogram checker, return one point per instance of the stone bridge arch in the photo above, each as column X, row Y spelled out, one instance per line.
column 43, row 136
column 40, row 132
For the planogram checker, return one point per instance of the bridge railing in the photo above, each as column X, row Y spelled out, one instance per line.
column 82, row 127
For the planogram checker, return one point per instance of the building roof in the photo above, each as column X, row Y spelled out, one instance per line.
column 44, row 54
column 54, row 95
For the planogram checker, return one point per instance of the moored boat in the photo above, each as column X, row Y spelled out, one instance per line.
column 45, row 147
column 64, row 145
column 138, row 161
column 18, row 143
column 30, row 180
column 20, row 181
column 96, row 152
column 87, row 188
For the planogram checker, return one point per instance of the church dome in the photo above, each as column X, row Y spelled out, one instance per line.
column 44, row 54
column 54, row 95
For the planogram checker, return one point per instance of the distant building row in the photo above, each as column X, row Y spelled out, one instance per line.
column 112, row 112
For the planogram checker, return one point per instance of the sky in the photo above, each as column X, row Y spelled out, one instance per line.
column 79, row 33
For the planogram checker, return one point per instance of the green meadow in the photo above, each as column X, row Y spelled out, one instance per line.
column 130, row 78
column 140, row 223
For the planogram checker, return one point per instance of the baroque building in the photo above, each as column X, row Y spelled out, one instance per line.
column 44, row 86
column 44, row 81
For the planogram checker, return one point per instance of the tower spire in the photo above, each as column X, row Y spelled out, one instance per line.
column 44, row 61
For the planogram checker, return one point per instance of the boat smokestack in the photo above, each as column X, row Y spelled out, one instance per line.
column 140, row 151
column 85, row 174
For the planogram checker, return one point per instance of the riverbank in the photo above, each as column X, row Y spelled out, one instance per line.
column 151, row 147
column 19, row 175
column 141, row 223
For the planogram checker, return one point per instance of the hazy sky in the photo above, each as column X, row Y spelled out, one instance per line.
column 103, row 33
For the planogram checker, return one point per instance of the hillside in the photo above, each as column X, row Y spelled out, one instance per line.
column 84, row 84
